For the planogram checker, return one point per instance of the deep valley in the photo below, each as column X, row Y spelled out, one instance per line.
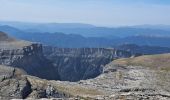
column 84, row 50
column 30, row 69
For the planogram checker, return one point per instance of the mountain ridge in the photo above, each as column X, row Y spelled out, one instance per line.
column 87, row 30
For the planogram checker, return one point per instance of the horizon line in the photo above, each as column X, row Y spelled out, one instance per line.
column 111, row 26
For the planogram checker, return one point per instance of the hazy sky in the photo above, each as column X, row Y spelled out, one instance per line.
column 97, row 12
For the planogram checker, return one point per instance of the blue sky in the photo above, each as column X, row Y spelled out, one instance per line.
column 97, row 12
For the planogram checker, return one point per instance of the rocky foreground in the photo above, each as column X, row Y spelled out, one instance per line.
column 132, row 82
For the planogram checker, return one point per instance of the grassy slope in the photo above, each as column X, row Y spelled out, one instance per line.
column 7, row 42
column 160, row 64
column 161, row 61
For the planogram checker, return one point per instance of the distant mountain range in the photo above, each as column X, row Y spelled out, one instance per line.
column 88, row 30
column 76, row 35
column 144, row 50
column 161, row 27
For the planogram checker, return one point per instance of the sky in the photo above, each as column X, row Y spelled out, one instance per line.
column 96, row 12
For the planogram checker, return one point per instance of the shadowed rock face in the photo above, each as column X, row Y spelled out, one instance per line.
column 82, row 63
column 30, row 59
column 27, row 56
column 64, row 64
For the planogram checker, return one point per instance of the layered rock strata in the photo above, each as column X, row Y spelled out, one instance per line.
column 81, row 63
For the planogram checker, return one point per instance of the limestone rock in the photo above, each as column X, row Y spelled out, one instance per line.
column 30, row 59
column 12, row 84
column 76, row 64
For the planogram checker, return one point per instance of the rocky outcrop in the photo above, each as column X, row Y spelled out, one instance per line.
column 134, row 83
column 81, row 63
column 131, row 79
column 15, row 84
column 12, row 84
column 29, row 58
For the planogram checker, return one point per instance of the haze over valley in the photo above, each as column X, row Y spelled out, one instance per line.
column 85, row 50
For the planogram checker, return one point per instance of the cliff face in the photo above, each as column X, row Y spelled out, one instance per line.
column 62, row 64
column 29, row 58
column 82, row 63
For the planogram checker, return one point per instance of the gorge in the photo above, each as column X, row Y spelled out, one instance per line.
column 30, row 70
column 60, row 63
column 81, row 63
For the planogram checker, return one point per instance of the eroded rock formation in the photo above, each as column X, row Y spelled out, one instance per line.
column 81, row 63
column 27, row 56
column 130, row 79
column 62, row 64
column 15, row 84
column 12, row 85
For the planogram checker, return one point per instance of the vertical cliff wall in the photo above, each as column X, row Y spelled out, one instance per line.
column 29, row 58
column 82, row 63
